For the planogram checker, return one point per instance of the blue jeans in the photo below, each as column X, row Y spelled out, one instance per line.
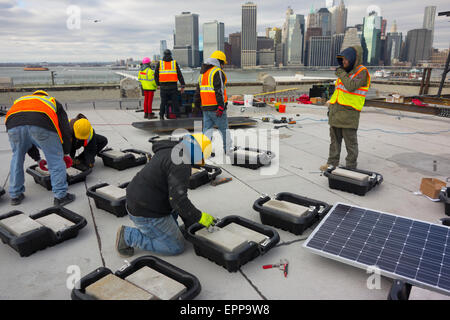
column 159, row 235
column 209, row 120
column 21, row 139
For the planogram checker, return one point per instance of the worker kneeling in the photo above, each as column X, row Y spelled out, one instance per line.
column 83, row 135
column 158, row 193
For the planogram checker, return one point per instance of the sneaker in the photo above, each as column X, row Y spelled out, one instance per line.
column 63, row 201
column 18, row 200
column 121, row 246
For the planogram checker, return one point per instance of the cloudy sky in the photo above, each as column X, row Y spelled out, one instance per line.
column 49, row 30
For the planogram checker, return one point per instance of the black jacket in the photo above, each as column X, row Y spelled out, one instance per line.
column 217, row 82
column 169, row 85
column 161, row 186
column 90, row 151
column 41, row 120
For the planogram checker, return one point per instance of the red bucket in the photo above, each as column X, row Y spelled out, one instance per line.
column 282, row 108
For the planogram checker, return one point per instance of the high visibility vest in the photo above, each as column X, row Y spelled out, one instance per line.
column 207, row 93
column 168, row 71
column 146, row 77
column 354, row 99
column 34, row 103
column 91, row 135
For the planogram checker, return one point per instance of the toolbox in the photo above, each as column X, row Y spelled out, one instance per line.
column 191, row 282
column 43, row 177
column 114, row 204
column 39, row 231
column 251, row 158
column 445, row 197
column 352, row 180
column 202, row 175
column 232, row 260
column 123, row 159
column 290, row 212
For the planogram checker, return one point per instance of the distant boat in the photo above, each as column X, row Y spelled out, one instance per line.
column 35, row 68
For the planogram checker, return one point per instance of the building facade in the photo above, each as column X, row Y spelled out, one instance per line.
column 418, row 45
column 235, row 42
column 372, row 37
column 249, row 35
column 213, row 37
column 187, row 34
column 428, row 20
column 320, row 51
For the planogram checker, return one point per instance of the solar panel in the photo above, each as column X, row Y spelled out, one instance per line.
column 402, row 248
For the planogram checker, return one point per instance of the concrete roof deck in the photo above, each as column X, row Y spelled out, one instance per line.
column 388, row 144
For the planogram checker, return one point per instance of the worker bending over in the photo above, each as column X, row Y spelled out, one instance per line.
column 83, row 135
column 158, row 193
column 39, row 120
column 345, row 106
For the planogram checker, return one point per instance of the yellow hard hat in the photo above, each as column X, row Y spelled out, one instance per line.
column 219, row 55
column 40, row 92
column 82, row 129
column 198, row 148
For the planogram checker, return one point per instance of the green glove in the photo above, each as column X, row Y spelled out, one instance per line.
column 340, row 72
column 206, row 220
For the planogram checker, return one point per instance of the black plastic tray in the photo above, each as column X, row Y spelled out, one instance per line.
column 200, row 178
column 445, row 197
column 282, row 220
column 46, row 182
column 125, row 162
column 400, row 290
column 190, row 281
column 263, row 160
column 352, row 185
column 116, row 207
column 232, row 261
column 43, row 237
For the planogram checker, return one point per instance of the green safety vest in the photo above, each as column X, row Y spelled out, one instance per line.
column 147, row 79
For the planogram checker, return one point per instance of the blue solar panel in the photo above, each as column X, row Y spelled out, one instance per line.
column 416, row 251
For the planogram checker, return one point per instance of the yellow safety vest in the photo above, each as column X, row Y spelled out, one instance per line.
column 146, row 77
column 354, row 99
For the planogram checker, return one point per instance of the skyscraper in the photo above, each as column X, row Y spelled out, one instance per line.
column 187, row 34
column 310, row 32
column 418, row 45
column 324, row 21
column 428, row 20
column 213, row 37
column 320, row 51
column 295, row 33
column 235, row 41
column 162, row 47
column 338, row 18
column 372, row 37
column 393, row 45
column 351, row 39
column 249, row 35
column 336, row 45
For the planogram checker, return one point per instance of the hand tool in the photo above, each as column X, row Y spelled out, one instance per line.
column 217, row 182
column 283, row 265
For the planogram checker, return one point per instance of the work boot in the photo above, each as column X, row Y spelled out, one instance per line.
column 122, row 248
column 63, row 201
column 151, row 116
column 161, row 117
column 324, row 167
column 145, row 115
column 18, row 200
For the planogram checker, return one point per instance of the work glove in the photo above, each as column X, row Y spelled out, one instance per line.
column 42, row 164
column 68, row 161
column 207, row 220
column 340, row 72
column 219, row 111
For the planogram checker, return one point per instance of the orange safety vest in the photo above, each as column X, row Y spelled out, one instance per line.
column 353, row 99
column 207, row 93
column 34, row 103
column 168, row 71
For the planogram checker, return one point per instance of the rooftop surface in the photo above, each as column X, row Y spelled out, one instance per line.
column 400, row 146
